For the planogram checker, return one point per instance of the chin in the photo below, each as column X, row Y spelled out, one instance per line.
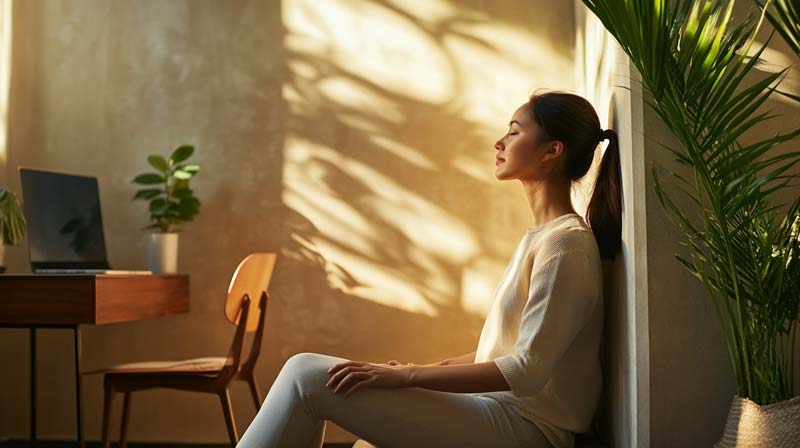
column 501, row 176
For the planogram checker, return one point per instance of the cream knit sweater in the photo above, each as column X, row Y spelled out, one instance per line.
column 544, row 329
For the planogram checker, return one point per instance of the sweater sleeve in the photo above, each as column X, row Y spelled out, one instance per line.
column 560, row 301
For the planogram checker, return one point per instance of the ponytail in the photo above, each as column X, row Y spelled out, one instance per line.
column 604, row 213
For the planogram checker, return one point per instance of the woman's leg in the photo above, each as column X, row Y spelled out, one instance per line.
column 298, row 404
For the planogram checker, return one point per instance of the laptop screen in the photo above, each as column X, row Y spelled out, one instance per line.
column 65, row 226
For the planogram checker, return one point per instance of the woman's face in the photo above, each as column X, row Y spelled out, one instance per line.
column 523, row 152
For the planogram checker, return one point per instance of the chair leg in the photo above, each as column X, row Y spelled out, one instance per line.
column 108, row 398
column 123, row 432
column 254, row 392
column 225, row 398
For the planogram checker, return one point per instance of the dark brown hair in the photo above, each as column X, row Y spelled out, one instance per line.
column 573, row 121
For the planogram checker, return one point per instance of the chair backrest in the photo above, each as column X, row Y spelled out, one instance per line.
column 251, row 278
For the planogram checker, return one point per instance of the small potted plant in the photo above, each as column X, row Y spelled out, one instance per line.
column 12, row 223
column 171, row 203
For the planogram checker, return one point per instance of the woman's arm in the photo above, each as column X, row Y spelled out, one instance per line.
column 350, row 376
column 460, row 377
column 468, row 358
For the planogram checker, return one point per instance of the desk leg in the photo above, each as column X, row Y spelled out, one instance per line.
column 78, row 383
column 33, row 387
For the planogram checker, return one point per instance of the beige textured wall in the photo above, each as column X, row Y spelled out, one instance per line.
column 352, row 137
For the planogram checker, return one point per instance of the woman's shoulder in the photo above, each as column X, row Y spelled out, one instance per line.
column 573, row 235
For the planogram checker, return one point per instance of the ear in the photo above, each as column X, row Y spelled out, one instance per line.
column 554, row 150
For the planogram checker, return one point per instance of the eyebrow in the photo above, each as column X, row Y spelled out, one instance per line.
column 514, row 121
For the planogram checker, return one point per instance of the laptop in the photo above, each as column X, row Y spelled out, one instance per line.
column 65, row 225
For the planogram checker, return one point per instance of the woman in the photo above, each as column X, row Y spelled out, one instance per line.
column 535, row 378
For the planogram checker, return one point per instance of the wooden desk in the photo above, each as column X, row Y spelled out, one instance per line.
column 67, row 301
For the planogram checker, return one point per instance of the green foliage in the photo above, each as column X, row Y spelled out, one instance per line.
column 12, row 221
column 699, row 79
column 171, row 201
column 785, row 17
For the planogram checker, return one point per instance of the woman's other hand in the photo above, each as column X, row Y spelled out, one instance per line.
column 351, row 376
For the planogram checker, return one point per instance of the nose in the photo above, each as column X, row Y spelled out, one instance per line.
column 498, row 145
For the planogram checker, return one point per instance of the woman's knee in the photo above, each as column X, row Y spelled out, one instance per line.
column 309, row 370
column 309, row 361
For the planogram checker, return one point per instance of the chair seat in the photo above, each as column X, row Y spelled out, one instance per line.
column 196, row 365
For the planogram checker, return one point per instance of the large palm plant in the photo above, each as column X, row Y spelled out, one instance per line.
column 742, row 246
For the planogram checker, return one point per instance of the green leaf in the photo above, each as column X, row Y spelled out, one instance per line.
column 190, row 200
column 184, row 193
column 190, row 208
column 182, row 175
column 147, row 193
column 181, row 153
column 785, row 18
column 158, row 162
column 158, row 206
column 149, row 179
column 180, row 184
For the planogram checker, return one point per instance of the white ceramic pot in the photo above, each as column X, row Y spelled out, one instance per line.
column 162, row 253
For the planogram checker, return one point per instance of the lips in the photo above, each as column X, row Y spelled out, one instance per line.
column 499, row 160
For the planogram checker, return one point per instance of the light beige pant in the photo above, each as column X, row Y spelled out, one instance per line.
column 298, row 404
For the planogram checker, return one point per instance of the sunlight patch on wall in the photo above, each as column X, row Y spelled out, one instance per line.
column 499, row 66
column 431, row 11
column 404, row 152
column 5, row 75
column 349, row 234
column 342, row 31
column 345, row 93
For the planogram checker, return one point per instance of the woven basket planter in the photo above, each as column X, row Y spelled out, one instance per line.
column 750, row 425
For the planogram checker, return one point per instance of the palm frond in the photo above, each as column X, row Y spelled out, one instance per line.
column 785, row 17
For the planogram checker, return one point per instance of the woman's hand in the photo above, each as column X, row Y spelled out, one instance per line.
column 398, row 363
column 351, row 376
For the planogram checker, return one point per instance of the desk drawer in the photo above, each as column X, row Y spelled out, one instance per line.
column 123, row 298
column 90, row 299
column 55, row 300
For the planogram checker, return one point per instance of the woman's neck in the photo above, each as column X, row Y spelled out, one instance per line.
column 548, row 200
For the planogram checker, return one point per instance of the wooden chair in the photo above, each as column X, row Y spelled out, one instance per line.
column 209, row 375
